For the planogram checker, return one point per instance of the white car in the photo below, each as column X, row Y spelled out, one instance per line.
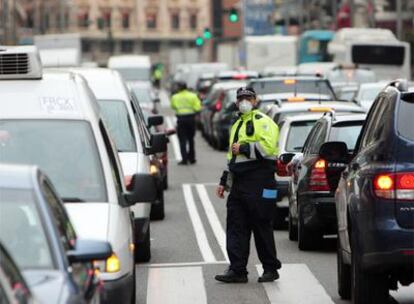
column 131, row 67
column 367, row 93
column 131, row 140
column 293, row 131
column 52, row 120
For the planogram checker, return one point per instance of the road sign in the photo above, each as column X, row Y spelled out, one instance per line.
column 258, row 17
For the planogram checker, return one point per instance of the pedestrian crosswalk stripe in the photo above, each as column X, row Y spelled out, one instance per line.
column 296, row 285
column 176, row 286
column 174, row 139
column 198, row 227
column 213, row 219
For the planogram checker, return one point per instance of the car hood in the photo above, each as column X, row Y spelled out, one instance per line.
column 134, row 163
column 46, row 285
column 91, row 220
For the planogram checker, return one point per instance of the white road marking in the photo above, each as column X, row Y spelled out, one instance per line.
column 188, row 264
column 176, row 286
column 213, row 219
column 174, row 140
column 296, row 285
column 198, row 227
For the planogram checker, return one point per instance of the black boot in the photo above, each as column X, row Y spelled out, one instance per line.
column 231, row 277
column 268, row 276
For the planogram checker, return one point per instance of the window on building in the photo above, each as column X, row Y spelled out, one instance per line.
column 30, row 19
column 175, row 21
column 127, row 46
column 125, row 20
column 83, row 20
column 107, row 46
column 86, row 46
column 151, row 21
column 107, row 19
column 66, row 20
column 46, row 22
column 151, row 46
column 193, row 21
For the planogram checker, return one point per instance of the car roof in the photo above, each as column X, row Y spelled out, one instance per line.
column 129, row 61
column 274, row 96
column 305, row 105
column 105, row 83
column 282, row 78
column 60, row 94
column 343, row 117
column 303, row 117
column 228, row 85
column 18, row 176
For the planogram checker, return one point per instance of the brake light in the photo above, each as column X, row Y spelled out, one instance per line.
column 128, row 182
column 240, row 76
column 398, row 186
column 218, row 105
column 281, row 168
column 318, row 179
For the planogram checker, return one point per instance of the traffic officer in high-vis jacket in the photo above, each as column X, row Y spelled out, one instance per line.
column 186, row 105
column 250, row 178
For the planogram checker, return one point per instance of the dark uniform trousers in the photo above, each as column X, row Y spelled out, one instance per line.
column 248, row 211
column 186, row 128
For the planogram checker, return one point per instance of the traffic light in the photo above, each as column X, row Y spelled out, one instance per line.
column 207, row 34
column 199, row 41
column 233, row 15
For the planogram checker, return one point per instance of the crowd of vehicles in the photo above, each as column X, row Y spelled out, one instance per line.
column 84, row 129
column 340, row 170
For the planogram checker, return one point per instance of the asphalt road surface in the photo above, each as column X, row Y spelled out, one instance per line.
column 188, row 248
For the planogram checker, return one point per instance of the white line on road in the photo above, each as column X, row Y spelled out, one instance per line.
column 213, row 219
column 176, row 286
column 188, row 264
column 200, row 233
column 174, row 139
column 297, row 285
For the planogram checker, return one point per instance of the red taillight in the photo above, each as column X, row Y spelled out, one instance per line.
column 281, row 168
column 408, row 252
column 240, row 76
column 128, row 182
column 398, row 186
column 218, row 105
column 318, row 180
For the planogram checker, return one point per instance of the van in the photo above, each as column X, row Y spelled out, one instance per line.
column 131, row 67
column 52, row 120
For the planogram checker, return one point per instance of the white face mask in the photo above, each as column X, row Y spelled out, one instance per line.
column 245, row 106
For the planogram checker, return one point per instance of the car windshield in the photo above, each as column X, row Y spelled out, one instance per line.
column 115, row 114
column 405, row 117
column 21, row 230
column 320, row 87
column 142, row 94
column 134, row 74
column 65, row 149
column 346, row 132
column 298, row 132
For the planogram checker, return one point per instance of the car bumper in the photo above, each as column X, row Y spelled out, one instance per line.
column 118, row 291
column 319, row 212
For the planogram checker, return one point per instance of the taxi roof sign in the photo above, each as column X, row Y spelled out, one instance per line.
column 320, row 109
column 20, row 62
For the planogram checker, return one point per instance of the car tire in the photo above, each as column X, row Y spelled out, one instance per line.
column 143, row 250
column 157, row 209
column 367, row 287
column 165, row 182
column 344, row 275
column 307, row 239
column 293, row 229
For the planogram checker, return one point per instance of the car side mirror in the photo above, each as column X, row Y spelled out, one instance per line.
column 334, row 151
column 158, row 143
column 285, row 158
column 155, row 120
column 88, row 251
column 143, row 189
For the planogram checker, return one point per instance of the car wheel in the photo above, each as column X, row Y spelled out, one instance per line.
column 157, row 209
column 344, row 275
column 293, row 229
column 279, row 220
column 367, row 287
column 143, row 250
column 307, row 239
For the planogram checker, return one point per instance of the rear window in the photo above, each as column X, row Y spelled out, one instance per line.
column 347, row 132
column 378, row 54
column 320, row 87
column 405, row 118
column 297, row 135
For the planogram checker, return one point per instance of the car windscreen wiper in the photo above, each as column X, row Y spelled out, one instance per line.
column 72, row 200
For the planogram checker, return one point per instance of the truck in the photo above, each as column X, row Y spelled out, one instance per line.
column 59, row 50
column 375, row 49
column 270, row 50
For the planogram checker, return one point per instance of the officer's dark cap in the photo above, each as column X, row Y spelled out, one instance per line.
column 246, row 92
